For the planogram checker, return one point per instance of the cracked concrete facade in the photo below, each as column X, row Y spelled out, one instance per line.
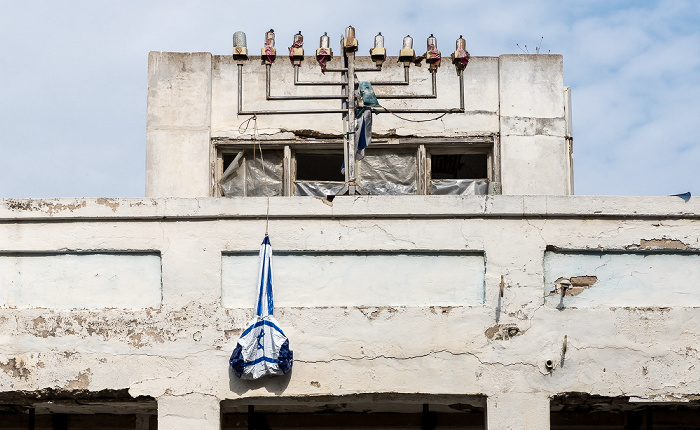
column 460, row 303
column 178, row 352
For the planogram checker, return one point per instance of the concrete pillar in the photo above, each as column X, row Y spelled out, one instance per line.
column 189, row 412
column 534, row 149
column 517, row 411
column 178, row 125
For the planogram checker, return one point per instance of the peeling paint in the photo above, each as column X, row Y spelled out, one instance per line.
column 16, row 368
column 81, row 381
column 503, row 332
column 46, row 206
column 574, row 285
column 659, row 244
column 112, row 203
column 371, row 312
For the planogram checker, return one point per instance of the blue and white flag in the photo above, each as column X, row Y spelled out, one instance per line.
column 363, row 133
column 262, row 349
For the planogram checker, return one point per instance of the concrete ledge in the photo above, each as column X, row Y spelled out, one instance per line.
column 395, row 207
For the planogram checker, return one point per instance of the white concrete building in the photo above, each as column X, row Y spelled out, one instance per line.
column 469, row 289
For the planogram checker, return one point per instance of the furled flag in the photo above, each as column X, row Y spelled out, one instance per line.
column 262, row 349
column 363, row 133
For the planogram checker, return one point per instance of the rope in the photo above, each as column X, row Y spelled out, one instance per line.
column 242, row 129
column 262, row 163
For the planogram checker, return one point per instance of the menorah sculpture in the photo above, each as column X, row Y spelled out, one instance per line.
column 350, row 96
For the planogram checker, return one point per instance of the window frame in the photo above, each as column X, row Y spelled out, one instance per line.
column 424, row 147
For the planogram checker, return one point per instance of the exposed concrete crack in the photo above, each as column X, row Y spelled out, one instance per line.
column 412, row 357
column 539, row 229
column 392, row 237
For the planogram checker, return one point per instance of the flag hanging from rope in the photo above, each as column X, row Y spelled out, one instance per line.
column 262, row 349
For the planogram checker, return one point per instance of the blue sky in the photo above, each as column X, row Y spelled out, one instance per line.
column 73, row 78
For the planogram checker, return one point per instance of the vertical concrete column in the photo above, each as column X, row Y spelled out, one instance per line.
column 534, row 150
column 189, row 412
column 178, row 125
column 517, row 411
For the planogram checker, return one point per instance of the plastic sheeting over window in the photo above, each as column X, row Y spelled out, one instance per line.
column 384, row 172
column 320, row 189
column 459, row 187
column 245, row 175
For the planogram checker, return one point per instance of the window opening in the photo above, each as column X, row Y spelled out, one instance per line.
column 459, row 166
column 573, row 411
column 318, row 173
column 458, row 174
column 319, row 167
column 243, row 174
column 453, row 412
column 388, row 172
column 408, row 167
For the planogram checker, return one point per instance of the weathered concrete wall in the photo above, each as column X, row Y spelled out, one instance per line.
column 533, row 125
column 516, row 99
column 80, row 281
column 178, row 352
column 359, row 278
column 178, row 124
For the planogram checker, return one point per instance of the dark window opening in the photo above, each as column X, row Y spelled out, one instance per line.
column 319, row 167
column 74, row 410
column 576, row 411
column 358, row 411
column 458, row 166
column 227, row 159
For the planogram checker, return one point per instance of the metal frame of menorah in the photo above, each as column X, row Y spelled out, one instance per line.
column 349, row 97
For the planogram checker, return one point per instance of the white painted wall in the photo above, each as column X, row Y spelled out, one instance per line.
column 636, row 279
column 80, row 281
column 340, row 348
column 358, row 279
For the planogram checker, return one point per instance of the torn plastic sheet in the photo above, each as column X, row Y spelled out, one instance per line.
column 245, row 176
column 388, row 173
column 459, row 187
column 319, row 189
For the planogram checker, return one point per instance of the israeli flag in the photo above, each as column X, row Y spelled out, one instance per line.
column 363, row 133
column 262, row 349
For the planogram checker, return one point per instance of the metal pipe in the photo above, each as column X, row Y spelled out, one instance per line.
column 347, row 97
column 350, row 160
column 413, row 96
column 274, row 112
column 377, row 83
column 346, row 136
column 298, row 82
column 452, row 110
column 270, row 97
column 404, row 82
